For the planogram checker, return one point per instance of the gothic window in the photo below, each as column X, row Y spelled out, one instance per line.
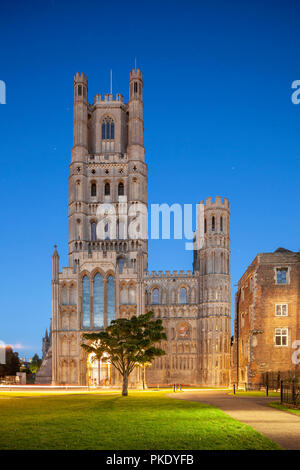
column 86, row 301
column 155, row 296
column 64, row 295
column 93, row 189
column 72, row 295
column 135, row 87
column 98, row 296
column 107, row 231
column 93, row 231
column 108, row 129
column 79, row 90
column 221, row 224
column 213, row 224
column 110, row 299
column 121, row 189
column 182, row 295
column 78, row 229
column 132, row 299
column 204, row 225
column 121, row 264
column 107, row 189
column 121, row 227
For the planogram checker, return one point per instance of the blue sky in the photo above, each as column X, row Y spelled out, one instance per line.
column 218, row 121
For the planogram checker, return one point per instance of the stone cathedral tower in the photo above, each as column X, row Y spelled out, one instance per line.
column 107, row 276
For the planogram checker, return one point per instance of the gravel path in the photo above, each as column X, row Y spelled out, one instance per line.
column 279, row 426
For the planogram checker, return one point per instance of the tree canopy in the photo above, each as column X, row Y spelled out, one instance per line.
column 128, row 343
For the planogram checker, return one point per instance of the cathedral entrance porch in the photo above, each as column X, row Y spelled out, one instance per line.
column 98, row 371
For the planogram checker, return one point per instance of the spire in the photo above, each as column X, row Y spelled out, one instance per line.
column 55, row 264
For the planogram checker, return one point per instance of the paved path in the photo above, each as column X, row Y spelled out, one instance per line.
column 279, row 426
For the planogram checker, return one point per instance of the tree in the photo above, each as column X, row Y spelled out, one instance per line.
column 127, row 343
column 12, row 362
column 35, row 363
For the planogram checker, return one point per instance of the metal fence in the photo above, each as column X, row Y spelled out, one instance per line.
column 290, row 393
column 285, row 382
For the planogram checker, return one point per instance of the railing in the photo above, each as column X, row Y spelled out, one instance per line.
column 290, row 393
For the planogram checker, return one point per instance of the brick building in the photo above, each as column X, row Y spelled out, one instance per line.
column 267, row 318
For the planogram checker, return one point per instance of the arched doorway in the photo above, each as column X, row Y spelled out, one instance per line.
column 99, row 372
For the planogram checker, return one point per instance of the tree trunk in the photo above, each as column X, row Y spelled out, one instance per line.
column 125, row 385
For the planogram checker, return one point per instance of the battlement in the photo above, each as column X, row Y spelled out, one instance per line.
column 80, row 78
column 136, row 73
column 164, row 274
column 108, row 97
column 218, row 203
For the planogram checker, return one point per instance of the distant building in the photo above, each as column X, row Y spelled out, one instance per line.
column 46, row 343
column 267, row 320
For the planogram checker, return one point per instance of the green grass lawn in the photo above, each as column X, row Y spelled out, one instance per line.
column 254, row 393
column 277, row 405
column 144, row 420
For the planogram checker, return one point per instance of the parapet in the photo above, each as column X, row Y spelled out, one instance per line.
column 165, row 274
column 108, row 97
column 136, row 73
column 80, row 78
column 218, row 202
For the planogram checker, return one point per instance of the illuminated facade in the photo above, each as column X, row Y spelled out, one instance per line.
column 107, row 277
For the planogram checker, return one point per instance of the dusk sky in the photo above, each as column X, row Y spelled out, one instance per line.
column 218, row 120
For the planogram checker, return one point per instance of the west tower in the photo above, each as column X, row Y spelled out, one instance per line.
column 107, row 276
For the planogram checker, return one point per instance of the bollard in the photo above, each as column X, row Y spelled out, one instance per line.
column 233, row 389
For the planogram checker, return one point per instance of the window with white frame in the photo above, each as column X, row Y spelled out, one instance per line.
column 281, row 275
column 281, row 336
column 281, row 310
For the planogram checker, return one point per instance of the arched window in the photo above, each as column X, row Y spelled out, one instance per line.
column 221, row 224
column 86, row 302
column 93, row 231
column 121, row 264
column 131, row 295
column 93, row 189
column 155, row 296
column 98, row 295
column 121, row 228
column 108, row 129
column 106, row 189
column 182, row 295
column 64, row 295
column 110, row 299
column 72, row 295
column 121, row 189
column 213, row 224
column 204, row 225
column 107, row 231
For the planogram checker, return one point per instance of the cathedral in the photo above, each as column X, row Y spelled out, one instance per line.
column 107, row 276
